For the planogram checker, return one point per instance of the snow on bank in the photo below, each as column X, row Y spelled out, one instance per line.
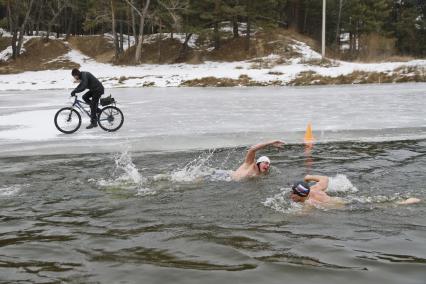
column 5, row 33
column 173, row 75
column 152, row 38
column 7, row 53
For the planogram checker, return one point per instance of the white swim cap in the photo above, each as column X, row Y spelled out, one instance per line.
column 263, row 159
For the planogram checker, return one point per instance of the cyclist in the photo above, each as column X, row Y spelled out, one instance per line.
column 96, row 90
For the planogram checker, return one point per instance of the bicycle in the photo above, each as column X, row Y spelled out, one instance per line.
column 68, row 119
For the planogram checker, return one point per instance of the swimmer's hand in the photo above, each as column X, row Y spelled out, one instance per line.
column 278, row 144
column 408, row 201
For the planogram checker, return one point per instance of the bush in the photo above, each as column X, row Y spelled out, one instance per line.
column 377, row 47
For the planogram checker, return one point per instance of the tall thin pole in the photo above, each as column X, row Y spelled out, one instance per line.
column 323, row 29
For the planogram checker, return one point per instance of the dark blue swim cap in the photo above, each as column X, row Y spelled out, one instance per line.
column 301, row 188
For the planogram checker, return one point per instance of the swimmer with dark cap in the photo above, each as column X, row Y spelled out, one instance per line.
column 314, row 193
column 252, row 167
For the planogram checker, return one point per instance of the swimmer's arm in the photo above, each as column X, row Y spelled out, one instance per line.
column 315, row 178
column 251, row 153
column 321, row 182
column 409, row 201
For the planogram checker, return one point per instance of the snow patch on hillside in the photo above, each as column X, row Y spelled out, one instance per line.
column 172, row 75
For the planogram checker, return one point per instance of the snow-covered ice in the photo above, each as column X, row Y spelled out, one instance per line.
column 193, row 118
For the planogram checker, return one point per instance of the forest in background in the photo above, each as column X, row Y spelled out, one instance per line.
column 355, row 28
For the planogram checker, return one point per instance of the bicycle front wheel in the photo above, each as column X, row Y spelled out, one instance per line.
column 111, row 118
column 67, row 120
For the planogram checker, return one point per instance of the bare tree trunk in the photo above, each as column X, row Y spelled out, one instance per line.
column 184, row 48
column 39, row 17
column 69, row 25
column 305, row 20
column 248, row 37
column 140, row 40
column 13, row 29
column 216, row 36
column 21, row 30
column 121, row 38
column 128, row 18
column 9, row 17
column 49, row 30
column 172, row 7
column 357, row 45
column 293, row 11
column 235, row 27
column 14, row 48
column 114, row 32
column 134, row 23
column 338, row 25
column 61, row 6
column 159, row 43
column 248, row 8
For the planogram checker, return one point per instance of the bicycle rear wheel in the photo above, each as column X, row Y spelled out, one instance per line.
column 67, row 120
column 111, row 118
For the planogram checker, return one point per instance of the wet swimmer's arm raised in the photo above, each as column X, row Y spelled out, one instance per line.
column 251, row 153
column 321, row 182
column 252, row 167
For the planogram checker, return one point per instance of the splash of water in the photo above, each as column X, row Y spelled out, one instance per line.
column 340, row 183
column 126, row 175
column 281, row 202
column 124, row 163
column 199, row 169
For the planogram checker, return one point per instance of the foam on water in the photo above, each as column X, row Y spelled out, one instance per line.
column 10, row 190
column 282, row 203
column 376, row 199
column 199, row 169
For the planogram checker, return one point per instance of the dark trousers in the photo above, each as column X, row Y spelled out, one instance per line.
column 92, row 98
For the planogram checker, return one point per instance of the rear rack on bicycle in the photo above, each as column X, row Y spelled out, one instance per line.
column 107, row 101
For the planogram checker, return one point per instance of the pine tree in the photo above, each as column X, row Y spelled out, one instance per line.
column 410, row 27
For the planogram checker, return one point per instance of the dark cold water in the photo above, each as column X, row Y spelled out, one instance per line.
column 162, row 217
column 153, row 202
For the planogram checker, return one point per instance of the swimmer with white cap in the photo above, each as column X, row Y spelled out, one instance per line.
column 252, row 167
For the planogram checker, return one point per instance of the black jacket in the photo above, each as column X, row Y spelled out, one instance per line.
column 88, row 81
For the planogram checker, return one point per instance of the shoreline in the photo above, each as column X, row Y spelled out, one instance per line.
column 14, row 82
column 264, row 86
column 306, row 69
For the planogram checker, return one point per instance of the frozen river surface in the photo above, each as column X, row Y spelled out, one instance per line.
column 192, row 118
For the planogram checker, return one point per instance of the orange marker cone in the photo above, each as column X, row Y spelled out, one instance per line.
column 309, row 138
